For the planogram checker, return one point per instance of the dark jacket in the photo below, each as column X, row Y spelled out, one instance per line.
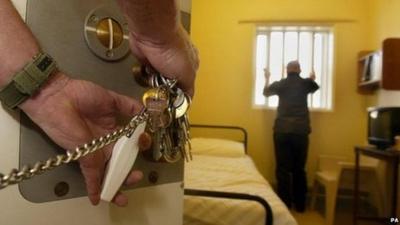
column 293, row 114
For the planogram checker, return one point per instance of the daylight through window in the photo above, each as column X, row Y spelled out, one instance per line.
column 312, row 46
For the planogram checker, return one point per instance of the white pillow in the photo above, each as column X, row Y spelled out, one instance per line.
column 217, row 147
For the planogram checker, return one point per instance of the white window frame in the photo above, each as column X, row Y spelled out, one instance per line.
column 329, row 62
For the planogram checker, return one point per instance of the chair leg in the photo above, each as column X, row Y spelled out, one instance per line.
column 330, row 202
column 376, row 197
column 314, row 194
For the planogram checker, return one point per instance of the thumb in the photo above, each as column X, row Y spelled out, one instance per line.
column 125, row 105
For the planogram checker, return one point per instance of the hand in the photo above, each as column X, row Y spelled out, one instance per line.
column 312, row 75
column 158, row 38
column 267, row 74
column 73, row 112
column 177, row 59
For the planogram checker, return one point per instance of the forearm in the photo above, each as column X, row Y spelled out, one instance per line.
column 152, row 21
column 265, row 91
column 17, row 43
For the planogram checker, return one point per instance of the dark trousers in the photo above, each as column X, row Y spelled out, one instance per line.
column 291, row 156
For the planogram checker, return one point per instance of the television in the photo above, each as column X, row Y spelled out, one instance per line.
column 383, row 126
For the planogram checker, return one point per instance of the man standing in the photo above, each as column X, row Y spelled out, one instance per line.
column 291, row 130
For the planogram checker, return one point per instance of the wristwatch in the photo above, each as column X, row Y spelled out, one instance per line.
column 28, row 81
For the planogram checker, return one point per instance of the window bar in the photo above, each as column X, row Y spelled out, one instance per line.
column 283, row 53
column 324, row 81
column 312, row 62
column 268, row 35
column 330, row 69
column 328, row 75
column 268, row 53
column 267, row 63
column 298, row 45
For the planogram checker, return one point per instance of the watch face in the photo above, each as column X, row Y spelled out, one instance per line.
column 45, row 63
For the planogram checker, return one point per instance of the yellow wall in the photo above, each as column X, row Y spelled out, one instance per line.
column 225, row 80
column 384, row 21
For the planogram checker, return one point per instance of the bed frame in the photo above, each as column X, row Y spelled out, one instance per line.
column 232, row 128
column 231, row 195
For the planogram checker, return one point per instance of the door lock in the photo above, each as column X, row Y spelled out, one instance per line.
column 106, row 33
column 110, row 34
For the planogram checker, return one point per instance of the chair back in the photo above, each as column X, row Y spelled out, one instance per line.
column 330, row 163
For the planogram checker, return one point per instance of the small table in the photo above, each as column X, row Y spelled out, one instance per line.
column 390, row 156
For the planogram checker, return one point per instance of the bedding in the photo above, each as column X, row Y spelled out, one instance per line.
column 217, row 147
column 233, row 172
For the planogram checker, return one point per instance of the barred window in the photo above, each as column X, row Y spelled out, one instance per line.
column 312, row 46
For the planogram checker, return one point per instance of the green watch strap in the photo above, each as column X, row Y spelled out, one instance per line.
column 28, row 81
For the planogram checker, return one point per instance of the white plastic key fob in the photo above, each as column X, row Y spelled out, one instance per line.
column 122, row 159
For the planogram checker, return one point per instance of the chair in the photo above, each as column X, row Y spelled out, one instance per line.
column 328, row 174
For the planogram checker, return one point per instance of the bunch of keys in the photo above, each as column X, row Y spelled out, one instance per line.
column 168, row 124
column 166, row 108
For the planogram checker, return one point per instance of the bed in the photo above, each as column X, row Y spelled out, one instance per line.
column 224, row 187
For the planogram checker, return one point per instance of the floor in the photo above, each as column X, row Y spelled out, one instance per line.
column 343, row 214
column 316, row 218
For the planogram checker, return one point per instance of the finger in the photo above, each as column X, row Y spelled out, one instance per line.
column 190, row 92
column 145, row 141
column 141, row 77
column 134, row 177
column 92, row 168
column 135, row 49
column 125, row 105
column 120, row 200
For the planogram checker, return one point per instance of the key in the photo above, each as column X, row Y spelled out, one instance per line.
column 122, row 159
column 171, row 153
column 157, row 146
column 186, row 129
column 181, row 139
column 156, row 100
column 181, row 103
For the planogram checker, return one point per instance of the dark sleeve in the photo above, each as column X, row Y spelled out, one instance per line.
column 272, row 89
column 312, row 86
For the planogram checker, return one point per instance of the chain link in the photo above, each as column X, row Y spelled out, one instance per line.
column 16, row 176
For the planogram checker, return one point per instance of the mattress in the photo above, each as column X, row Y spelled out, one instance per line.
column 212, row 170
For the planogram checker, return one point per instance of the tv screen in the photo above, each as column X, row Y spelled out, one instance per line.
column 383, row 126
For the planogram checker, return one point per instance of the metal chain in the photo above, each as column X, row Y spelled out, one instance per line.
column 16, row 176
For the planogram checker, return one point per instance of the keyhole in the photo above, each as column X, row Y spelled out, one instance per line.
column 110, row 34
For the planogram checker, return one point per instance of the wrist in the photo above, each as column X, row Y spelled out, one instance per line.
column 11, row 65
column 55, row 84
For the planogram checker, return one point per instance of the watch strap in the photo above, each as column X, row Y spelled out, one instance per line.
column 28, row 81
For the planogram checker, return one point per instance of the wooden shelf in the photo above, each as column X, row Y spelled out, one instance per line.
column 370, row 84
column 381, row 68
column 391, row 64
column 364, row 55
column 366, row 87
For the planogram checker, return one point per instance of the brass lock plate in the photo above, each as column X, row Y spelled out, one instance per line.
column 106, row 33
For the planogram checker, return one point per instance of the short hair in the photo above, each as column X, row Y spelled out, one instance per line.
column 293, row 66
